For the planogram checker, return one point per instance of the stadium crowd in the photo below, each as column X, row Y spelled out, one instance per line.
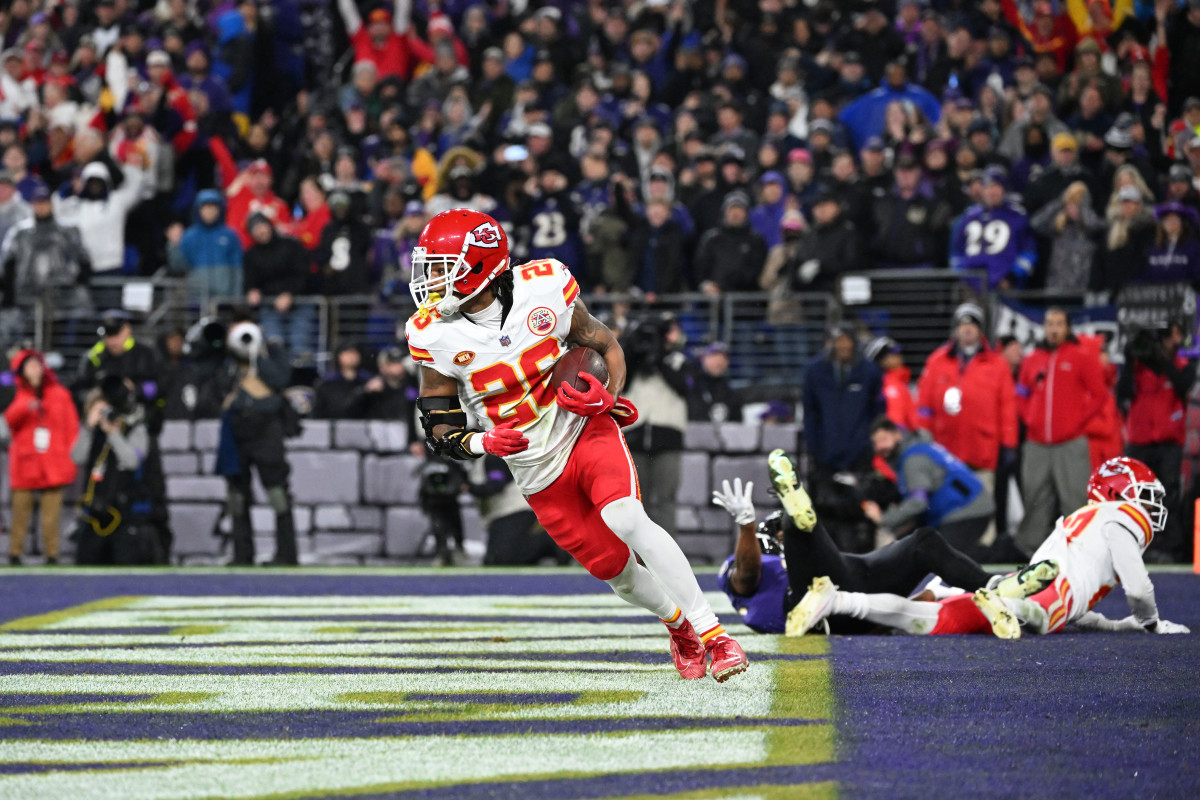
column 655, row 147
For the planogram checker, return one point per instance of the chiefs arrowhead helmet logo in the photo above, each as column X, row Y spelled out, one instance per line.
column 486, row 235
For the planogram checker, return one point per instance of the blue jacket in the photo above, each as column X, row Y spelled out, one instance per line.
column 205, row 246
column 837, row 416
column 959, row 488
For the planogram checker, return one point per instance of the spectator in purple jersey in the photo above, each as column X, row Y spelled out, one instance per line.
column 994, row 236
column 1175, row 256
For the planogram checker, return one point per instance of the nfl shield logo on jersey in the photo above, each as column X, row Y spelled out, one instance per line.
column 542, row 320
column 505, row 341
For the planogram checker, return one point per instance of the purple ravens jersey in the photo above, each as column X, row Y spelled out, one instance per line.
column 765, row 611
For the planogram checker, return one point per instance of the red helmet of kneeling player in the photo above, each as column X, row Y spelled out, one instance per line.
column 1129, row 480
column 459, row 253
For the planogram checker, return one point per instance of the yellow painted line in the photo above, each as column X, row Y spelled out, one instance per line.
column 53, row 617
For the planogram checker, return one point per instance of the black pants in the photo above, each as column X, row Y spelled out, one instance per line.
column 896, row 568
column 131, row 544
column 517, row 540
column 1166, row 459
column 267, row 455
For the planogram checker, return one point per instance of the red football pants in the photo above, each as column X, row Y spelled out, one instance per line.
column 599, row 471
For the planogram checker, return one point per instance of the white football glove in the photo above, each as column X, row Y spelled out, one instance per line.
column 736, row 501
column 1166, row 626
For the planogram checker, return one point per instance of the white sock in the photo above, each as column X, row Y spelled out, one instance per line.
column 666, row 562
column 637, row 586
column 941, row 590
column 891, row 610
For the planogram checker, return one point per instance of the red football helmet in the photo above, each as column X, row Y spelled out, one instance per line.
column 459, row 253
column 1127, row 479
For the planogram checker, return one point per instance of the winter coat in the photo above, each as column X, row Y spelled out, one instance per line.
column 910, row 232
column 1059, row 391
column 12, row 214
column 1073, row 249
column 210, row 254
column 44, row 425
column 836, row 248
column 970, row 408
column 656, row 258
column 901, row 408
column 838, row 414
column 101, row 223
column 337, row 397
column 45, row 256
column 1156, row 395
column 342, row 256
column 244, row 203
column 730, row 257
column 281, row 265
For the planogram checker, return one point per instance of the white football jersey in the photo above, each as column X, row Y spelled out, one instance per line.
column 503, row 373
column 1097, row 547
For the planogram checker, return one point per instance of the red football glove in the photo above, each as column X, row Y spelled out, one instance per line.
column 504, row 440
column 624, row 412
column 595, row 401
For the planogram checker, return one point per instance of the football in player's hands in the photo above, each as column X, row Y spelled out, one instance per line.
column 591, row 403
column 504, row 440
column 577, row 362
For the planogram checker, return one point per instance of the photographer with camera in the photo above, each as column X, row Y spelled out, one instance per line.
column 659, row 375
column 118, row 354
column 254, row 424
column 115, row 524
column 442, row 480
column 1152, row 391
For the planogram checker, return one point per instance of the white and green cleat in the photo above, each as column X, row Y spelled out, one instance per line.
column 1004, row 623
column 815, row 606
column 1028, row 581
column 792, row 496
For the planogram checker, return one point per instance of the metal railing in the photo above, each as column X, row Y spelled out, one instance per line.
column 914, row 307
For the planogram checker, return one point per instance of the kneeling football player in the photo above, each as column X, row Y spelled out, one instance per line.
column 1095, row 548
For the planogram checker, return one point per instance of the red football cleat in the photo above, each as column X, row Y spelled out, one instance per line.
column 728, row 658
column 688, row 652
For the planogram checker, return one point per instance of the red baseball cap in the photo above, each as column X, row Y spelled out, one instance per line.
column 379, row 15
column 259, row 165
column 799, row 154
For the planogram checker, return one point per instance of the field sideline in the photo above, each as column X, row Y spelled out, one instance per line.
column 537, row 684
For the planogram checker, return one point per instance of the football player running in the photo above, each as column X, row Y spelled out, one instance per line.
column 1097, row 547
column 487, row 335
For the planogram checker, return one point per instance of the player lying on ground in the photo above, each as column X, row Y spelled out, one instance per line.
column 1097, row 547
column 488, row 336
column 772, row 568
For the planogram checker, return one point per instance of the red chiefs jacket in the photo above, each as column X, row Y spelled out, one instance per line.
column 1059, row 391
column 1156, row 413
column 43, row 429
column 900, row 406
column 969, row 407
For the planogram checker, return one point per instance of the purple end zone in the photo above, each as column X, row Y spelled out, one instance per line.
column 1062, row 716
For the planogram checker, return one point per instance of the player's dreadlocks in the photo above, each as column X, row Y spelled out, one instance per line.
column 502, row 286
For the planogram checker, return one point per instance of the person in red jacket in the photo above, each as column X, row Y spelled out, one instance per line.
column 1060, row 389
column 44, row 425
column 251, row 193
column 965, row 398
column 1104, row 431
column 1153, row 391
column 896, row 377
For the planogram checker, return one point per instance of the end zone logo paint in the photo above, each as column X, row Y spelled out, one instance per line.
column 464, row 358
column 542, row 320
